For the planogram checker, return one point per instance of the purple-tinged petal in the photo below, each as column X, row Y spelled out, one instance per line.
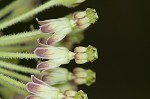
column 60, row 33
column 41, row 90
column 42, row 52
column 48, row 80
column 46, row 29
column 42, row 42
column 33, row 97
column 56, row 77
column 45, row 78
column 51, row 52
column 33, row 88
column 18, row 96
column 43, row 66
column 36, row 80
column 54, row 39
column 53, row 26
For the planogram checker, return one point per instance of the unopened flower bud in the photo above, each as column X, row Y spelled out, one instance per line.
column 82, row 76
column 56, row 55
column 80, row 81
column 80, row 95
column 41, row 90
column 80, row 49
column 71, row 39
column 75, row 95
column 68, row 98
column 56, row 76
column 70, row 93
column 79, row 15
column 17, row 96
column 83, row 54
column 79, row 61
column 59, row 27
column 86, row 18
column 91, row 53
column 67, row 86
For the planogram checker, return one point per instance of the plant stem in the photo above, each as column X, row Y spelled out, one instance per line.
column 9, row 8
column 18, row 68
column 17, row 55
column 17, row 48
column 13, row 88
column 15, row 75
column 20, row 38
column 12, row 82
column 14, row 9
column 28, row 14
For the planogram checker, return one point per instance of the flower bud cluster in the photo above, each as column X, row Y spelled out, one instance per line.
column 56, row 76
column 60, row 55
column 82, row 76
column 41, row 90
column 60, row 27
column 61, row 75
column 55, row 82
column 85, row 18
column 56, row 56
column 85, row 54
column 70, row 94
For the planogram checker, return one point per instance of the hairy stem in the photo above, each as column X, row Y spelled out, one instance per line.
column 20, row 38
column 28, row 14
column 9, row 8
column 15, row 75
column 13, row 88
column 12, row 81
column 14, row 9
column 17, row 48
column 18, row 68
column 17, row 55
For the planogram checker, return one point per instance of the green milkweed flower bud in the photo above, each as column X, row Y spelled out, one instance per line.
column 57, row 76
column 61, row 27
column 41, row 90
column 85, row 18
column 85, row 54
column 56, row 55
column 83, row 76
